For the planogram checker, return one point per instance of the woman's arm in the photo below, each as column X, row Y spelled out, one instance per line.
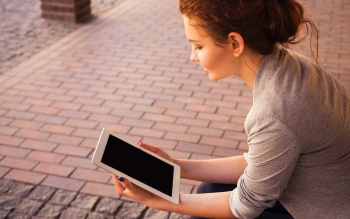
column 209, row 205
column 221, row 170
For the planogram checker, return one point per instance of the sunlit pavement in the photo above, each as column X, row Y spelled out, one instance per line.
column 129, row 71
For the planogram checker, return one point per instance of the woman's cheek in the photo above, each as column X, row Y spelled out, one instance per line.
column 203, row 58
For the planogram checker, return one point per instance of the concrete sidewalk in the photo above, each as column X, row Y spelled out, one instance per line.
column 129, row 71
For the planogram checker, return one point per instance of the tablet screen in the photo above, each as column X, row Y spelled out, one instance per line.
column 139, row 165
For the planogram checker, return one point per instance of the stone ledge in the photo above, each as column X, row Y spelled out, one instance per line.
column 22, row 200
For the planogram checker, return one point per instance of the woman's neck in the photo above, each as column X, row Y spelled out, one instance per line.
column 249, row 66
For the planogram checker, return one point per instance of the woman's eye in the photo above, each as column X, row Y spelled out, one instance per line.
column 198, row 48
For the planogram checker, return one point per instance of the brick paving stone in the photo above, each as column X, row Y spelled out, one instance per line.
column 90, row 175
column 5, row 121
column 18, row 216
column 42, row 193
column 224, row 152
column 65, row 139
column 75, row 213
column 213, row 117
column 177, row 216
column 108, row 205
column 54, row 169
column 5, row 185
column 7, row 130
column 243, row 146
column 99, row 189
column 25, row 176
column 226, row 126
column 154, row 214
column 170, row 127
column 3, row 214
column 130, row 210
column 81, row 123
column 89, row 143
column 50, row 119
column 193, row 122
column 57, row 129
column 205, row 131
column 13, row 151
column 147, row 132
column 88, row 133
column 3, row 170
column 9, row 140
column 85, row 201
column 18, row 163
column 196, row 148
column 73, row 150
column 95, row 215
column 219, row 142
column 32, row 134
column 9, row 202
column 29, row 207
column 38, row 145
column 63, row 183
column 79, row 162
column 62, row 197
column 182, row 137
column 45, row 157
column 115, row 128
column 50, row 211
column 20, row 189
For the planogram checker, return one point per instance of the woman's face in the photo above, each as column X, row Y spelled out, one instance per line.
column 218, row 62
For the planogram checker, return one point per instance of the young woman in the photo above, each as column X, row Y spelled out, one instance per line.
column 298, row 163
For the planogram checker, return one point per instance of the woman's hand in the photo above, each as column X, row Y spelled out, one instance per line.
column 125, row 188
column 157, row 151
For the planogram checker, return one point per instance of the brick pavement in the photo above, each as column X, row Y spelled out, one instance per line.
column 129, row 71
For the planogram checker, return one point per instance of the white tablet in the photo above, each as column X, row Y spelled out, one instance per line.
column 142, row 167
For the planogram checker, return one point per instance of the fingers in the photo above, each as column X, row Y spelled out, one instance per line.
column 122, row 185
column 119, row 188
column 148, row 147
column 156, row 150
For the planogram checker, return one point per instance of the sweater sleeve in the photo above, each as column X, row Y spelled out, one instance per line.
column 274, row 149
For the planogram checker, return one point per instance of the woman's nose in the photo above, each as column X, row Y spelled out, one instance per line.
column 194, row 57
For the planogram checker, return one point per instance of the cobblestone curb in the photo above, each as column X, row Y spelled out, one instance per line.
column 24, row 201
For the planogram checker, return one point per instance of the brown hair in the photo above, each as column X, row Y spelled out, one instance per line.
column 261, row 23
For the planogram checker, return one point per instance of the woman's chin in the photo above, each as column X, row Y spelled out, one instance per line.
column 213, row 77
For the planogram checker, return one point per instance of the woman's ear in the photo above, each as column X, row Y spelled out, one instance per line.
column 236, row 43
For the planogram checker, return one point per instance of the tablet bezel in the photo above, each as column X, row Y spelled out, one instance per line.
column 97, row 157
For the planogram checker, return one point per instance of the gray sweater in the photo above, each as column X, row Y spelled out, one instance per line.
column 299, row 141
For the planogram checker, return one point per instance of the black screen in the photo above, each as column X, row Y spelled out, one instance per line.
column 138, row 164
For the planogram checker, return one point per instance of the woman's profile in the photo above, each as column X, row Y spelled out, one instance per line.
column 298, row 162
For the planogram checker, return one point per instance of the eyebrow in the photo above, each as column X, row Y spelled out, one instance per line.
column 193, row 40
